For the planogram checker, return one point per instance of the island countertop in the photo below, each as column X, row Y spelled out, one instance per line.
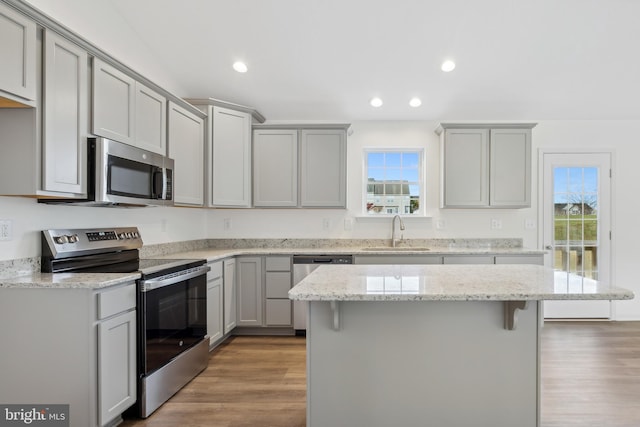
column 449, row 283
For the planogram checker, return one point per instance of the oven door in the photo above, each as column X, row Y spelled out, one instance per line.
column 173, row 316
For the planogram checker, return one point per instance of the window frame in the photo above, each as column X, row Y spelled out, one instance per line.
column 422, row 196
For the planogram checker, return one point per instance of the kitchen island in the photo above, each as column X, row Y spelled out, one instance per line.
column 428, row 345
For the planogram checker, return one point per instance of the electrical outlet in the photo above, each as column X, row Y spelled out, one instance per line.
column 529, row 224
column 226, row 223
column 326, row 223
column 441, row 224
column 496, row 224
column 6, row 230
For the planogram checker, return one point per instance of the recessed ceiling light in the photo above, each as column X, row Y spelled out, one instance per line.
column 448, row 66
column 415, row 102
column 376, row 102
column 240, row 67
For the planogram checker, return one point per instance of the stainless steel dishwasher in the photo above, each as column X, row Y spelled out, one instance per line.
column 303, row 265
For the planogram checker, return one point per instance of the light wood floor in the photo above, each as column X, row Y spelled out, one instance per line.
column 590, row 378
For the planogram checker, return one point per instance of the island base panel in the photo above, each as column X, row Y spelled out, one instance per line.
column 440, row 363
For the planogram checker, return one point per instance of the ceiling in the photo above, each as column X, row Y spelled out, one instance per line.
column 325, row 59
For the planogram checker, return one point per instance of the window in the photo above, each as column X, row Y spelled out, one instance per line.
column 393, row 182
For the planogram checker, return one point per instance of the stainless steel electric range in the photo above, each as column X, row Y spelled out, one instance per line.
column 171, row 307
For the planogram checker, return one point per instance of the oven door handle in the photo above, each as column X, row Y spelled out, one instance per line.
column 160, row 282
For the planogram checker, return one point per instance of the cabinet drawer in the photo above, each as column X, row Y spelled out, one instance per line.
column 278, row 263
column 116, row 300
column 277, row 284
column 216, row 270
column 278, row 312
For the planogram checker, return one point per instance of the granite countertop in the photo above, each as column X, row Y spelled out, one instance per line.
column 24, row 273
column 69, row 280
column 215, row 254
column 448, row 283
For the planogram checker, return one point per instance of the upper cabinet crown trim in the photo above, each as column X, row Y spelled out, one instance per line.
column 259, row 118
column 442, row 126
column 53, row 25
column 304, row 126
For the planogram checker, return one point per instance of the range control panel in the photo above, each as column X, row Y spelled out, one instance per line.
column 61, row 243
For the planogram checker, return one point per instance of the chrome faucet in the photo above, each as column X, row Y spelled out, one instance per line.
column 393, row 230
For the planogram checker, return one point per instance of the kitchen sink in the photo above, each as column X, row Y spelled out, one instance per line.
column 396, row 249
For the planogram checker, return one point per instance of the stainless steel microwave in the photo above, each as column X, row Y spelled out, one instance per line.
column 121, row 175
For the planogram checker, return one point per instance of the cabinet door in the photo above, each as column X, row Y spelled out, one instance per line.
column 510, row 168
column 275, row 168
column 113, row 103
column 323, row 168
column 186, row 148
column 116, row 365
column 231, row 158
column 278, row 312
column 65, row 115
column 214, row 310
column 150, row 120
column 18, row 53
column 465, row 168
column 230, row 292
column 249, row 284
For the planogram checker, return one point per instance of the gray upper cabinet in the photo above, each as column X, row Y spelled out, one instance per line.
column 486, row 166
column 113, row 103
column 275, row 168
column 323, row 169
column 186, row 148
column 18, row 53
column 150, row 120
column 65, row 115
column 300, row 165
column 128, row 111
column 230, row 162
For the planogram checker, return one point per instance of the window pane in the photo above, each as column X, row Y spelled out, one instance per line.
column 393, row 182
column 393, row 159
column 410, row 160
column 375, row 160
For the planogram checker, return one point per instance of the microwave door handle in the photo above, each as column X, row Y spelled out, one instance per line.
column 159, row 180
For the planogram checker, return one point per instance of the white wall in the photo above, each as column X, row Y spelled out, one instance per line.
column 100, row 23
column 156, row 224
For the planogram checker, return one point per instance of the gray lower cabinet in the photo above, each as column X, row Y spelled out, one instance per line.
column 397, row 259
column 263, row 284
column 249, row 286
column 520, row 259
column 215, row 303
column 230, row 294
column 277, row 282
column 450, row 259
column 18, row 53
column 81, row 350
column 468, row 259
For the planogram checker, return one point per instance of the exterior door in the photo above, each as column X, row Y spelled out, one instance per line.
column 577, row 229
